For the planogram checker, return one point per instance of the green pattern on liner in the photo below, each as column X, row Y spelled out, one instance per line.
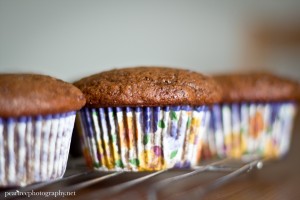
column 146, row 139
column 134, row 162
column 114, row 138
column 173, row 154
column 119, row 163
column 97, row 165
column 161, row 124
column 189, row 122
column 173, row 115
column 269, row 130
column 243, row 130
column 94, row 113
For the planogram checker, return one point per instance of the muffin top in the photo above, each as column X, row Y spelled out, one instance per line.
column 148, row 86
column 257, row 87
column 33, row 94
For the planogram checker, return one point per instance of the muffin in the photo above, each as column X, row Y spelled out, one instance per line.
column 37, row 115
column 255, row 116
column 144, row 118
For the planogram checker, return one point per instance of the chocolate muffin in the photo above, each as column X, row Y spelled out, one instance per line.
column 37, row 115
column 255, row 115
column 144, row 118
column 257, row 87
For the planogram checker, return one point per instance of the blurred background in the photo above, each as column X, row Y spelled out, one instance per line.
column 70, row 39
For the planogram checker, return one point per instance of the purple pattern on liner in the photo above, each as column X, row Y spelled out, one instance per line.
column 84, row 122
column 22, row 119
column 216, row 118
column 101, row 114
column 38, row 118
column 29, row 120
column 150, row 121
column 259, row 135
column 63, row 115
column 184, row 165
column 157, row 151
column 109, row 110
column 119, row 109
column 10, row 120
column 27, row 131
column 166, row 108
column 101, row 111
column 147, row 119
column 186, row 108
column 235, row 113
column 128, row 109
column 156, row 111
column 47, row 117
column 56, row 116
column 204, row 118
column 89, row 121
column 274, row 111
column 175, row 108
column 200, row 108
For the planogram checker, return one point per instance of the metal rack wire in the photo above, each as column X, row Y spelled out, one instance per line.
column 168, row 184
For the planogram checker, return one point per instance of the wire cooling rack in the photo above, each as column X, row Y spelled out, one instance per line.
column 79, row 183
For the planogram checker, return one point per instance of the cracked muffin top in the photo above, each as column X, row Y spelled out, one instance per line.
column 148, row 86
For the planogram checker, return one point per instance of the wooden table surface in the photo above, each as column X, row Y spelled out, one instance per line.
column 276, row 180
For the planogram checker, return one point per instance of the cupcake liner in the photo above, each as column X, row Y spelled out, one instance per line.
column 141, row 138
column 34, row 149
column 251, row 129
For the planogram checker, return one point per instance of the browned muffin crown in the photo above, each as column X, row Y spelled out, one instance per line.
column 257, row 87
column 148, row 86
column 33, row 94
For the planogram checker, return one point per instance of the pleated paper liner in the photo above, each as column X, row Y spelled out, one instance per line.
column 34, row 149
column 141, row 138
column 249, row 129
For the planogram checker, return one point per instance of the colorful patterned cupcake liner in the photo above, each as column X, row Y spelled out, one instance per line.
column 249, row 129
column 141, row 138
column 34, row 149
